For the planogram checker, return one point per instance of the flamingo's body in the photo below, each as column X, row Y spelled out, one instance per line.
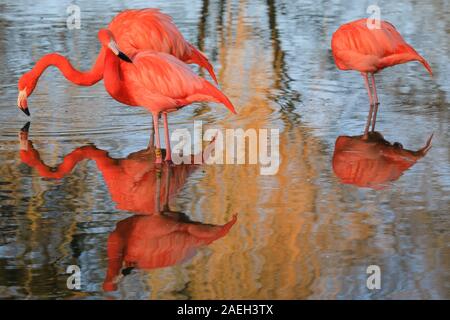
column 156, row 81
column 356, row 47
column 159, row 82
column 150, row 29
column 374, row 162
column 134, row 30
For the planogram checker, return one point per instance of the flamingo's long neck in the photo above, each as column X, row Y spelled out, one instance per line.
column 86, row 78
column 114, row 83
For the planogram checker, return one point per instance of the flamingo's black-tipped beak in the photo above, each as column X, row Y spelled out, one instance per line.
column 26, row 127
column 22, row 102
column 115, row 49
column 124, row 57
column 26, row 111
column 23, row 137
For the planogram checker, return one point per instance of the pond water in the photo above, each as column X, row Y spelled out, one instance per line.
column 308, row 232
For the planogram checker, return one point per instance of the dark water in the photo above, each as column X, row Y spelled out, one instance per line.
column 299, row 234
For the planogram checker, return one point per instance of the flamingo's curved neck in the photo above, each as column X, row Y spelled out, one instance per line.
column 87, row 78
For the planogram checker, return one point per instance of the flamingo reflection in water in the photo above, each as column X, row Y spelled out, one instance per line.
column 157, row 241
column 156, row 237
column 130, row 180
column 375, row 162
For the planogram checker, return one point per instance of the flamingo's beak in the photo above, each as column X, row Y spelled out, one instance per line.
column 124, row 57
column 26, row 127
column 113, row 46
column 23, row 137
column 22, row 102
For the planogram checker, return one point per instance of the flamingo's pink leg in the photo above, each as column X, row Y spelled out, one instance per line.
column 167, row 138
column 375, row 102
column 366, row 83
column 158, row 142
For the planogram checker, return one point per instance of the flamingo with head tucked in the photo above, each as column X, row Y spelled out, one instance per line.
column 355, row 46
column 134, row 30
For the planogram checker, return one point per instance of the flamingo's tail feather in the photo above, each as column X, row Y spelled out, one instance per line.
column 199, row 58
column 404, row 57
column 218, row 96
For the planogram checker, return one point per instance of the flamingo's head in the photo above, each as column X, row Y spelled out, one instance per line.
column 107, row 40
column 26, row 86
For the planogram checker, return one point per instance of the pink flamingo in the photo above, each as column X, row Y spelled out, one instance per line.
column 134, row 30
column 157, row 81
column 356, row 47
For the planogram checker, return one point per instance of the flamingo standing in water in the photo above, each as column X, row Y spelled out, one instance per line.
column 134, row 30
column 356, row 47
column 157, row 81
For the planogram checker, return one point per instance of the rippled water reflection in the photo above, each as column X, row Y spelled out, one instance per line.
column 299, row 234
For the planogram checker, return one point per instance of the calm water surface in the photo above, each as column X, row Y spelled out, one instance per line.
column 309, row 231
